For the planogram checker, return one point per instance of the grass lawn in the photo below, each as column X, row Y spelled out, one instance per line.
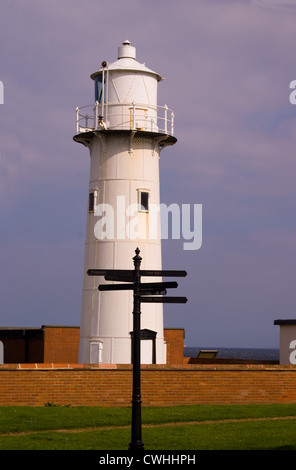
column 201, row 427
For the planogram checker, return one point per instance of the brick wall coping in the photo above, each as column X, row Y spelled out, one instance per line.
column 147, row 367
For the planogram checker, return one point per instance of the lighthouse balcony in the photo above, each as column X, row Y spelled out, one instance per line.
column 125, row 116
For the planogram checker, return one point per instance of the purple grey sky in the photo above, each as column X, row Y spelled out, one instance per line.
column 227, row 66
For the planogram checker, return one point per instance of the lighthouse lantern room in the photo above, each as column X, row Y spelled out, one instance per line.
column 125, row 131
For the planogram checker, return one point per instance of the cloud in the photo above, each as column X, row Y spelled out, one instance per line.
column 286, row 6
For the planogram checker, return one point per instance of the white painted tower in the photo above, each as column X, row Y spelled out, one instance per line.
column 125, row 130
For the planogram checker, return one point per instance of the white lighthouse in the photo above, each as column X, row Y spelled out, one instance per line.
column 124, row 130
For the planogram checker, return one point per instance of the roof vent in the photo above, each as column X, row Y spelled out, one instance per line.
column 126, row 51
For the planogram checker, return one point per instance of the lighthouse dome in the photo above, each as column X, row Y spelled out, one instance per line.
column 126, row 50
column 126, row 97
column 127, row 61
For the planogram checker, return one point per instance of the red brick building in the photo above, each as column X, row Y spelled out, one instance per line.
column 59, row 344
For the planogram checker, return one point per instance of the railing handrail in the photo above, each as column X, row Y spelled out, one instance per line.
column 101, row 115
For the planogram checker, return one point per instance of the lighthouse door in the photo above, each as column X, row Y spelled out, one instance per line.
column 138, row 118
column 148, row 346
column 95, row 351
column 147, row 352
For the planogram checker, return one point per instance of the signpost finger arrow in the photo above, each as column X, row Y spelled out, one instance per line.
column 147, row 286
column 164, row 300
column 130, row 274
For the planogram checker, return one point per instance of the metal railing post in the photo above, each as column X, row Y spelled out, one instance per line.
column 165, row 119
column 172, row 123
column 96, row 115
column 77, row 119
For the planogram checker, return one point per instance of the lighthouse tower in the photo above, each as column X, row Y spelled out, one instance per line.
column 124, row 130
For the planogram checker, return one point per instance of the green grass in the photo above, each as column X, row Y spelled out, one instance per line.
column 67, row 428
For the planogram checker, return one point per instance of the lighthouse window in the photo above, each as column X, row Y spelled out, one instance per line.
column 92, row 201
column 144, row 201
column 99, row 89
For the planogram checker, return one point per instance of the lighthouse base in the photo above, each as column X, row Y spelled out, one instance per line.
column 119, row 350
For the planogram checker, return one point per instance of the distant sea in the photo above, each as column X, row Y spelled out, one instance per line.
column 237, row 353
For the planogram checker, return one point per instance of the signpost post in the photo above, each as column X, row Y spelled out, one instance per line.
column 143, row 292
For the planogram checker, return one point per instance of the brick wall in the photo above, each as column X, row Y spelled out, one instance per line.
column 78, row 385
column 174, row 338
column 61, row 344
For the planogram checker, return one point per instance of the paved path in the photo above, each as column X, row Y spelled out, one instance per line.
column 181, row 423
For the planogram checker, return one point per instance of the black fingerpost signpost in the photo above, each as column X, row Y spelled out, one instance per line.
column 146, row 293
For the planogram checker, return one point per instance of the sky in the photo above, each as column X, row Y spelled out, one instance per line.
column 228, row 65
